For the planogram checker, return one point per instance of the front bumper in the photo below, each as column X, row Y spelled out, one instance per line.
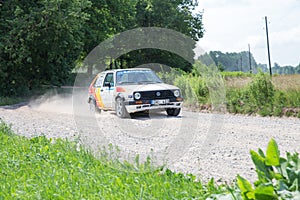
column 132, row 107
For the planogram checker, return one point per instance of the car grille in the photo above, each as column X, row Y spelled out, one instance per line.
column 158, row 94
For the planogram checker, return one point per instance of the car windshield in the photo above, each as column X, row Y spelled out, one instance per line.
column 137, row 77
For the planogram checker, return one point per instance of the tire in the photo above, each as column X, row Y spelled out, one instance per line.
column 120, row 108
column 173, row 111
column 93, row 106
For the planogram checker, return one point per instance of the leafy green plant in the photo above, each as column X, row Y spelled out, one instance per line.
column 278, row 178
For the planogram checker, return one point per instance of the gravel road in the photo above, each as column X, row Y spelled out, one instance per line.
column 207, row 145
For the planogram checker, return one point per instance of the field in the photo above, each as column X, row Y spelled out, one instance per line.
column 276, row 96
column 246, row 93
column 281, row 82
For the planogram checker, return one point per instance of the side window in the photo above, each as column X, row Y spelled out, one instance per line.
column 99, row 81
column 109, row 80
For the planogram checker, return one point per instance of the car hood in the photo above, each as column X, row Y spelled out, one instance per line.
column 147, row 87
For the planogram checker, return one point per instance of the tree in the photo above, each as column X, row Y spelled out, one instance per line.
column 176, row 15
column 41, row 42
column 106, row 18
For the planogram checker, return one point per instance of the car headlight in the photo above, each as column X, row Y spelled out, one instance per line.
column 137, row 95
column 176, row 93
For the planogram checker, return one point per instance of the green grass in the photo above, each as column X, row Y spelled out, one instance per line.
column 227, row 75
column 40, row 168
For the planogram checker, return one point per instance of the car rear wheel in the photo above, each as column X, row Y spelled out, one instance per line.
column 120, row 108
column 173, row 111
column 93, row 106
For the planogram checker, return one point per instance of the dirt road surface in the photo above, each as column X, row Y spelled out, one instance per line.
column 207, row 145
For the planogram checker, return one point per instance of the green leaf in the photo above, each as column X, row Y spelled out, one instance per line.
column 259, row 161
column 246, row 187
column 273, row 155
column 283, row 167
column 278, row 176
column 282, row 186
column 265, row 192
column 291, row 174
column 261, row 153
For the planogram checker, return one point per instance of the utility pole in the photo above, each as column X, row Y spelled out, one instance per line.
column 268, row 46
column 241, row 62
column 250, row 59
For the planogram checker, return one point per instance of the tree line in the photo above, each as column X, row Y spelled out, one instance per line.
column 277, row 69
column 42, row 41
column 230, row 61
column 244, row 62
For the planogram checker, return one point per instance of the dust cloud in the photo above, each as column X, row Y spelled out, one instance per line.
column 54, row 102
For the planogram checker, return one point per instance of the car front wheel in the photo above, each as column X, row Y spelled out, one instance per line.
column 120, row 108
column 173, row 111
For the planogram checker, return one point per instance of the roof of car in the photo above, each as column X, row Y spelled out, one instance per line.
column 129, row 69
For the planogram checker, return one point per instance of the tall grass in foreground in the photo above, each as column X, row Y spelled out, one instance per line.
column 39, row 168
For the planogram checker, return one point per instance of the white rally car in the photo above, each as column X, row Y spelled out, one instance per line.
column 133, row 90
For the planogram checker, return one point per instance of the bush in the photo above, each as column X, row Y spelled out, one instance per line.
column 262, row 91
column 257, row 97
column 193, row 88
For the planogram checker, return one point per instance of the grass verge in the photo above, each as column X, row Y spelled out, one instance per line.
column 39, row 168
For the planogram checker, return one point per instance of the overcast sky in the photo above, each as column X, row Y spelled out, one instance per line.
column 230, row 25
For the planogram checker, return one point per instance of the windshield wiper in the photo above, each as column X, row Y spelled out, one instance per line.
column 126, row 82
column 148, row 82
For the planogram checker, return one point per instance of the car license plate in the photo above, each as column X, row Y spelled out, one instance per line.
column 160, row 101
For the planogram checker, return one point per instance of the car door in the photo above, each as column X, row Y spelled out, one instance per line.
column 107, row 90
column 97, row 90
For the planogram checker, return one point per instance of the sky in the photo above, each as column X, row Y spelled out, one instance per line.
column 230, row 25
